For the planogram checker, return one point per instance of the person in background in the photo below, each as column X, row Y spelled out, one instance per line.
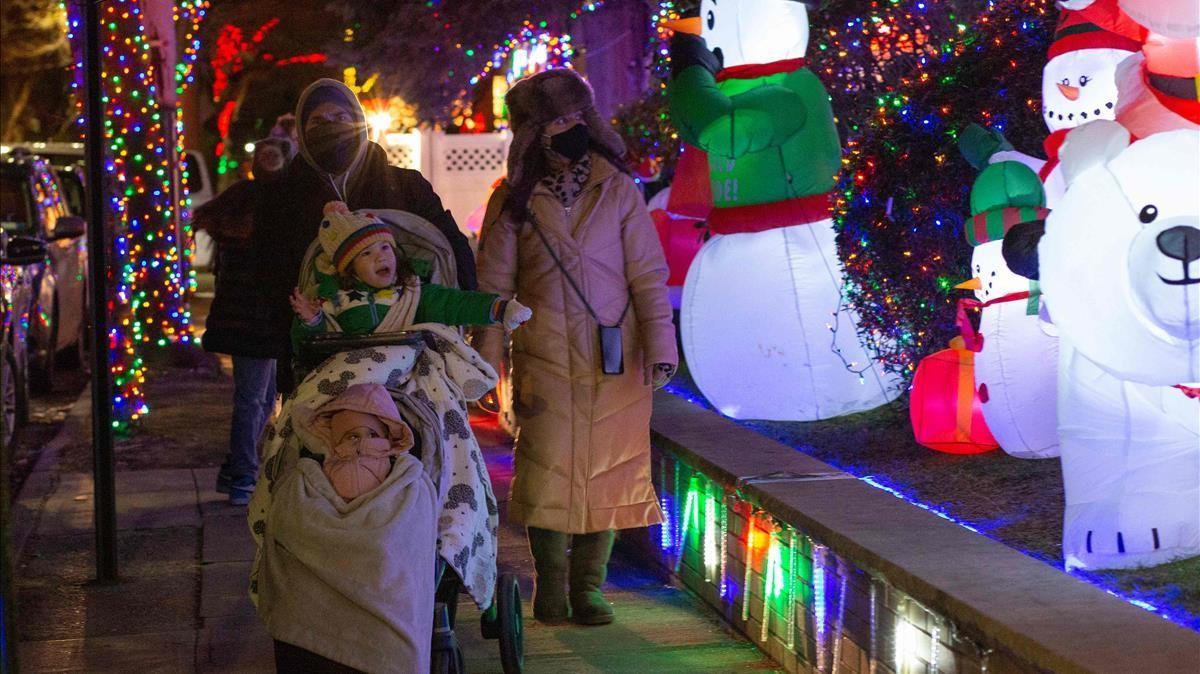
column 336, row 162
column 567, row 234
column 235, row 323
column 285, row 128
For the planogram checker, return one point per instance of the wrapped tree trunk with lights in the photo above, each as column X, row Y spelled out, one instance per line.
column 150, row 280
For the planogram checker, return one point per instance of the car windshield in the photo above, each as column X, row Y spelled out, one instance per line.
column 16, row 210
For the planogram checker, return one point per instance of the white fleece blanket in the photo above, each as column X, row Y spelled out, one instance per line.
column 432, row 387
column 330, row 580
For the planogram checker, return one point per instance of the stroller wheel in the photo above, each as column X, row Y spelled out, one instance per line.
column 509, row 618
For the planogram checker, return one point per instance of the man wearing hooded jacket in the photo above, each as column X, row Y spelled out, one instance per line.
column 336, row 161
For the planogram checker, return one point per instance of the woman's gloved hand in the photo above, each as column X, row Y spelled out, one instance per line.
column 658, row 374
column 515, row 314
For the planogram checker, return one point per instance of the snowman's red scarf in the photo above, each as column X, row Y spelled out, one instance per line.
column 974, row 340
column 750, row 71
column 1180, row 95
column 1052, row 145
column 764, row 217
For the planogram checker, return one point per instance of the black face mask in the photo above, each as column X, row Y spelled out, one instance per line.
column 572, row 143
column 333, row 146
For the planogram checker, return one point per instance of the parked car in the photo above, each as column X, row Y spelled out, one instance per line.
column 68, row 160
column 22, row 262
column 34, row 206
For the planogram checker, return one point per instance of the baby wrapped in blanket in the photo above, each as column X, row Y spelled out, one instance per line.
column 355, row 437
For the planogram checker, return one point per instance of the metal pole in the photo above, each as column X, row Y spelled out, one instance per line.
column 102, row 439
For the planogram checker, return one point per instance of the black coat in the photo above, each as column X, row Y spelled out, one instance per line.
column 287, row 220
column 235, row 323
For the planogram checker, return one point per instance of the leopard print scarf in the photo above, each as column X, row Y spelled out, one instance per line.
column 566, row 185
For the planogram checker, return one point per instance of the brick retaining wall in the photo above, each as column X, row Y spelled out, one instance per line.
column 875, row 584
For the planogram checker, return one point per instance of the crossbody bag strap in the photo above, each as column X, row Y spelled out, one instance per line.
column 571, row 280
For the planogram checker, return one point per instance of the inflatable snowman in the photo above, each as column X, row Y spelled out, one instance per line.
column 1016, row 369
column 765, row 332
column 1079, row 79
column 1119, row 266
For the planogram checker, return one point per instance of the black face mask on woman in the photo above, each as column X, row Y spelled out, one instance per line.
column 333, row 146
column 572, row 143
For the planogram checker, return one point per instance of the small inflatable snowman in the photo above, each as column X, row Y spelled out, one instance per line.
column 1119, row 265
column 765, row 332
column 1016, row 370
column 1079, row 79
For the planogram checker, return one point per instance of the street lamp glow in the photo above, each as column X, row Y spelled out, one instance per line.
column 380, row 122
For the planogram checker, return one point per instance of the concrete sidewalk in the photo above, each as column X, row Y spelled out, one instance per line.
column 185, row 555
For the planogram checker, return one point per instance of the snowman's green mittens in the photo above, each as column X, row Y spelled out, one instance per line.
column 977, row 144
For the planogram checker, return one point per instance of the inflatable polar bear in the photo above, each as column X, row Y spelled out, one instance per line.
column 1119, row 267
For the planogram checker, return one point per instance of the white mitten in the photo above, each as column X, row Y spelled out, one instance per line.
column 515, row 314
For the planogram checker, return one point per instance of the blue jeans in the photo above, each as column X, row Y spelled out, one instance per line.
column 253, row 400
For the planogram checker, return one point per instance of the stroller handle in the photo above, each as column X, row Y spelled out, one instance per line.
column 326, row 344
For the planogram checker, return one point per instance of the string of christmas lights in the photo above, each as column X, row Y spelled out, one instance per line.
column 529, row 30
column 232, row 56
column 187, row 16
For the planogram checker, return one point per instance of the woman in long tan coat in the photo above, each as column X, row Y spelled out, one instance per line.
column 568, row 234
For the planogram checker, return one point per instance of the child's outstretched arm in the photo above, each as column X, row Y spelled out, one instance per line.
column 451, row 306
column 308, row 310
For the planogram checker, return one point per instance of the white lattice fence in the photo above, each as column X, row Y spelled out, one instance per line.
column 461, row 167
column 404, row 149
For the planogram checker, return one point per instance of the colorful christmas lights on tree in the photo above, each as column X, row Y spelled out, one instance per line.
column 904, row 80
column 234, row 59
column 532, row 49
column 149, row 278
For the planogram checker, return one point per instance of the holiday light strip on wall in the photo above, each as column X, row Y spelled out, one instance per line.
column 820, row 610
column 781, row 551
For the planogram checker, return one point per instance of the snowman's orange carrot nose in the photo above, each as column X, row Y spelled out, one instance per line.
column 691, row 25
column 970, row 284
column 1069, row 91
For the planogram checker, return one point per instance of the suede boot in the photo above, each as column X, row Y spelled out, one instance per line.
column 549, row 549
column 589, row 568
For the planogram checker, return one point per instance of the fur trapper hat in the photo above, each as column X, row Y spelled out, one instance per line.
column 539, row 99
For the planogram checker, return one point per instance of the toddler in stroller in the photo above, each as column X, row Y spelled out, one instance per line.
column 354, row 580
column 372, row 289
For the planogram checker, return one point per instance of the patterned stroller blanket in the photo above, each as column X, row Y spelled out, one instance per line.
column 439, row 379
